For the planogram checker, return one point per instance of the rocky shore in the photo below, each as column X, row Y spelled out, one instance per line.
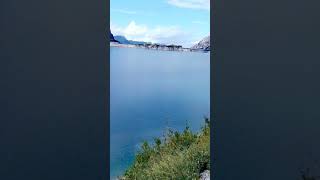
column 205, row 175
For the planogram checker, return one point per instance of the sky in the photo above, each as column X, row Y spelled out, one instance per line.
column 180, row 22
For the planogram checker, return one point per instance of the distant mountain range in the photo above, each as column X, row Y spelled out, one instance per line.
column 124, row 40
column 204, row 44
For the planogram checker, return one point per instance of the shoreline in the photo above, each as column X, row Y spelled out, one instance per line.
column 115, row 44
column 175, row 149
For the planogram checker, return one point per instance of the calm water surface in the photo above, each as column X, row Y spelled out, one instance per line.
column 151, row 90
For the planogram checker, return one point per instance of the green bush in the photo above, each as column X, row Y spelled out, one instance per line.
column 177, row 156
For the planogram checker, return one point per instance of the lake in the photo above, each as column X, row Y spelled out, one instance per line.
column 151, row 90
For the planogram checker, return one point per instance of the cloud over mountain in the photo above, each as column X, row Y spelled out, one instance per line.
column 158, row 34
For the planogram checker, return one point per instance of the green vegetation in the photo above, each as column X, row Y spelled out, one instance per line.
column 177, row 156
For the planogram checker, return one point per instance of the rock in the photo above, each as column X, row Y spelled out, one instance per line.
column 205, row 175
column 204, row 44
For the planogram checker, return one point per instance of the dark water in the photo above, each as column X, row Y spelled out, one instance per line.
column 151, row 90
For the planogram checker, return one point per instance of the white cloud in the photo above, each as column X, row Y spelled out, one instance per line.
column 135, row 30
column 124, row 11
column 130, row 12
column 158, row 34
column 200, row 22
column 192, row 4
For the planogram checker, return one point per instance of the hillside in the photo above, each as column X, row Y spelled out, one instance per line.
column 111, row 37
column 184, row 155
column 124, row 40
column 204, row 44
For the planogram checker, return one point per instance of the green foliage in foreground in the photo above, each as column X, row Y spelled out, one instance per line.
column 177, row 156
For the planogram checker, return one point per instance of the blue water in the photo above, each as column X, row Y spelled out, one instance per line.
column 152, row 90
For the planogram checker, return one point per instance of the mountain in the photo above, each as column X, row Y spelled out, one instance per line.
column 204, row 44
column 121, row 39
column 124, row 40
column 112, row 38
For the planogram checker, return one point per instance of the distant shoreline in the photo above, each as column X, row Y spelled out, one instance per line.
column 115, row 44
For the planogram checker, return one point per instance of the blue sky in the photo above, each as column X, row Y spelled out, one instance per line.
column 183, row 22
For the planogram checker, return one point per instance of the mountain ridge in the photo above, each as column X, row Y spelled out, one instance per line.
column 124, row 40
column 112, row 37
column 203, row 44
